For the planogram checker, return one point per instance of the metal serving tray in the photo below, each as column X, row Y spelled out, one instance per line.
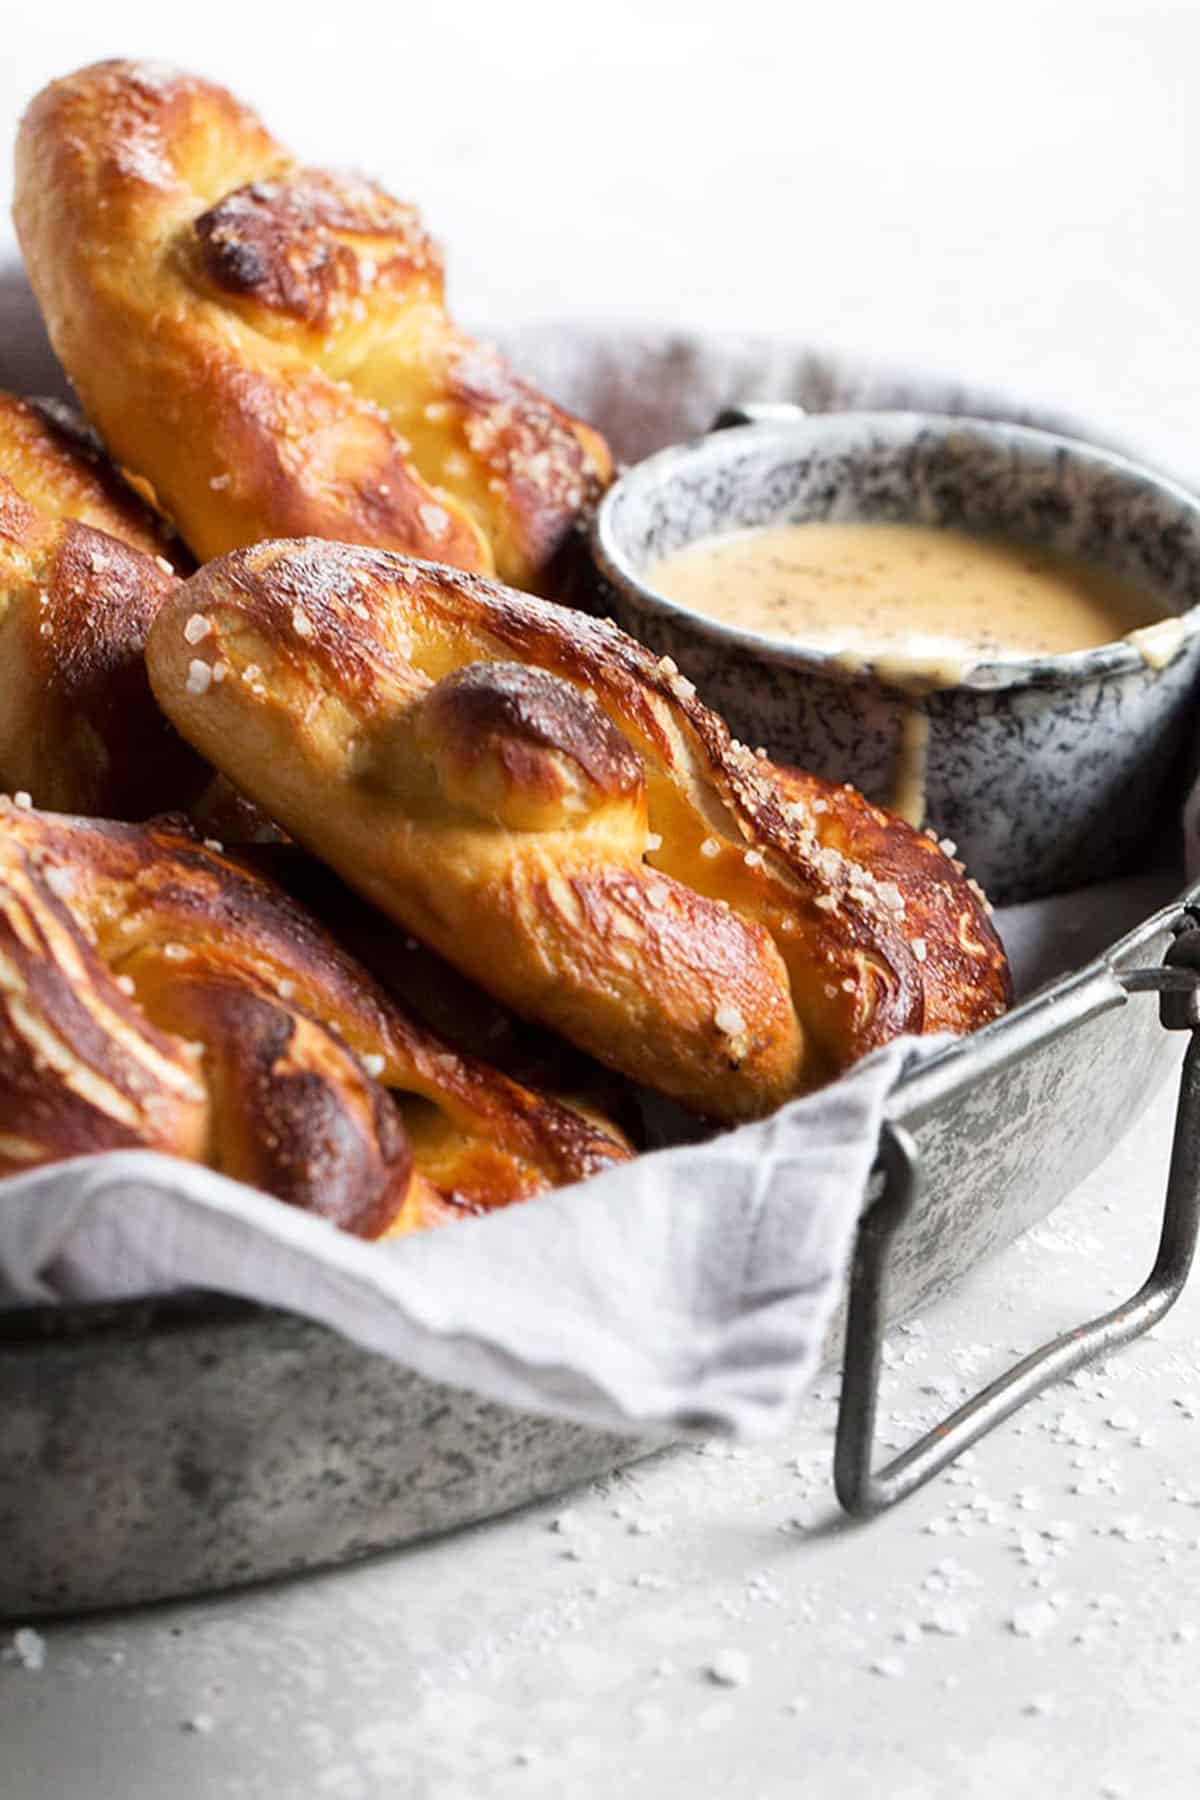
column 164, row 1448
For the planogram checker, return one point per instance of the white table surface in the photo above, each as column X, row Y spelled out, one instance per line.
column 1002, row 194
column 1029, row 1625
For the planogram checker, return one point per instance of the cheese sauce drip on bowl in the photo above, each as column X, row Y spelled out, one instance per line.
column 917, row 604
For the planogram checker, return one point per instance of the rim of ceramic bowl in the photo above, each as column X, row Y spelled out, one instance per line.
column 1119, row 657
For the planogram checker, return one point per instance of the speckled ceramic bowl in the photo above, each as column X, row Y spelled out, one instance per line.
column 1047, row 773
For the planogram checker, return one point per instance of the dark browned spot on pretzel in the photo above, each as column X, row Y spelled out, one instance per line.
column 301, row 246
column 524, row 722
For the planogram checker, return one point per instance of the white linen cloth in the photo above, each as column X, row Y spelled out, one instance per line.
column 690, row 1290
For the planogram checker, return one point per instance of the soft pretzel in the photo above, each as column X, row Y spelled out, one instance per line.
column 269, row 345
column 84, row 566
column 156, row 993
column 530, row 792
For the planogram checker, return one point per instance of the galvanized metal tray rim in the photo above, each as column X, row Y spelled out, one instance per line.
column 1063, row 1003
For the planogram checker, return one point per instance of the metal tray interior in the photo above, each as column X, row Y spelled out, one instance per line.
column 168, row 1447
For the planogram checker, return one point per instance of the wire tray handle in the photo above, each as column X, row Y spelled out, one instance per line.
column 864, row 1491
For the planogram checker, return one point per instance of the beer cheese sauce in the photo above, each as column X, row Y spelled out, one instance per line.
column 905, row 598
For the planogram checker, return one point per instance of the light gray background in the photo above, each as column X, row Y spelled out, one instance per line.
column 1001, row 193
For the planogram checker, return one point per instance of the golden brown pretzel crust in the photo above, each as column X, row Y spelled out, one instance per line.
column 83, row 570
column 57, row 463
column 155, row 993
column 533, row 794
column 441, row 997
column 269, row 345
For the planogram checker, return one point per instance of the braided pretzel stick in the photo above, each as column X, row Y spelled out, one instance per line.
column 528, row 791
column 157, row 994
column 269, row 344
column 83, row 569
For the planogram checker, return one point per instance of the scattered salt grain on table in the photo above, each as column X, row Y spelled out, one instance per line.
column 729, row 1668
column 28, row 1648
column 947, row 1621
column 1031, row 1621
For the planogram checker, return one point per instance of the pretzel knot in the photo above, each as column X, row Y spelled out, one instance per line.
column 155, row 993
column 535, row 796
